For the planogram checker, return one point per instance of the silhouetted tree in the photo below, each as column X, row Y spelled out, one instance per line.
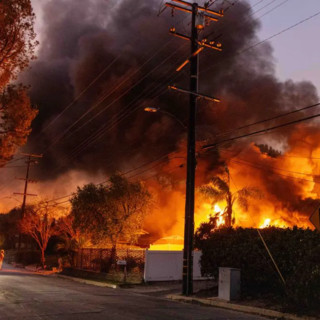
column 219, row 189
column 39, row 222
column 17, row 38
column 16, row 115
column 111, row 212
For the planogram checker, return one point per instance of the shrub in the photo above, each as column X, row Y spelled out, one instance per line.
column 296, row 251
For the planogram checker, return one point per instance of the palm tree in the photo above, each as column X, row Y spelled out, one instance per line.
column 219, row 189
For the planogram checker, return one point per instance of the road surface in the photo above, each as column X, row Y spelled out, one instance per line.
column 27, row 296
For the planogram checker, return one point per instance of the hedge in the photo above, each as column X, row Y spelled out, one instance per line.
column 296, row 252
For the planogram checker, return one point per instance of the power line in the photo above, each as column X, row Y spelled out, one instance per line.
column 156, row 52
column 265, row 40
column 164, row 156
column 299, row 157
column 104, row 97
column 270, row 119
column 101, row 131
column 257, row 166
column 109, row 126
column 285, row 155
column 240, row 26
column 208, row 146
column 113, row 122
column 282, row 31
column 125, row 173
column 125, row 113
column 274, row 8
column 257, row 3
column 267, row 5
column 82, row 92
column 271, row 169
column 88, row 86
column 279, row 169
column 231, row 5
column 133, row 176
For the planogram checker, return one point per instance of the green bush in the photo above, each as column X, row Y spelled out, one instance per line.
column 303, row 285
column 296, row 251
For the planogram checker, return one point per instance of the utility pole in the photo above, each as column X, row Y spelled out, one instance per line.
column 29, row 161
column 187, row 275
column 199, row 14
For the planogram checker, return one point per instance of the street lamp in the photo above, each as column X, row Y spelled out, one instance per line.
column 155, row 109
column 151, row 109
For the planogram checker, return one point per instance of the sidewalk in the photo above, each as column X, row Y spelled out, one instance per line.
column 165, row 288
column 161, row 289
column 16, row 268
column 172, row 291
column 215, row 302
column 9, row 268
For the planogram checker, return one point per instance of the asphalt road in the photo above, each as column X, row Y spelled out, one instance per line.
column 27, row 296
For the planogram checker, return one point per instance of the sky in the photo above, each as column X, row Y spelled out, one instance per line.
column 71, row 58
column 296, row 51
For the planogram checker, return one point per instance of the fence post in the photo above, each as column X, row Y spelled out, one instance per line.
column 101, row 259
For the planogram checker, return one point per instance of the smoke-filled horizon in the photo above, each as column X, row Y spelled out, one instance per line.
column 106, row 129
column 81, row 41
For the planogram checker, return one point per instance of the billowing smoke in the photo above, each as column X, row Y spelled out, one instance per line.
column 105, row 128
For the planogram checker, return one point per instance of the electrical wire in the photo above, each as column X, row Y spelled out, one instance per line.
column 263, row 41
column 240, row 25
column 82, row 92
column 274, row 8
column 127, row 78
column 262, row 131
column 164, row 156
column 109, row 126
column 267, row 5
column 257, row 3
column 299, row 157
column 284, row 156
column 257, row 166
column 282, row 31
column 89, row 140
column 275, row 168
column 270, row 119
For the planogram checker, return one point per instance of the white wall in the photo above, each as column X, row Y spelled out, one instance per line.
column 167, row 265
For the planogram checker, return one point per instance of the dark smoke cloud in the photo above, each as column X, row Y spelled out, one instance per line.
column 80, row 38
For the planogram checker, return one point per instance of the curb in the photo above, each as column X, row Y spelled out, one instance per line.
column 215, row 302
column 94, row 283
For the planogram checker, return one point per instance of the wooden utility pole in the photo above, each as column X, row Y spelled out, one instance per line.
column 199, row 14
column 30, row 159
